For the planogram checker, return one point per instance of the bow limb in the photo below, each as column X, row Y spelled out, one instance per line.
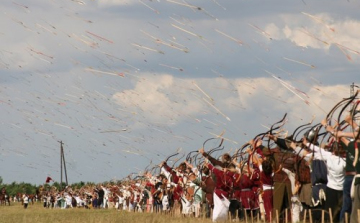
column 239, row 151
column 301, row 126
column 350, row 100
column 356, row 134
column 339, row 104
column 178, row 160
column 170, row 157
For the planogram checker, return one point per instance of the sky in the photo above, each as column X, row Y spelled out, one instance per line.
column 126, row 83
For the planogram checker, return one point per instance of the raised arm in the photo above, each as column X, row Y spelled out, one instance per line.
column 322, row 152
column 212, row 160
column 340, row 134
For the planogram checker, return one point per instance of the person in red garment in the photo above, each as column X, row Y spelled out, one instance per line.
column 176, row 181
column 223, row 187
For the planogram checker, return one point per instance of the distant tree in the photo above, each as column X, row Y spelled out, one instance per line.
column 28, row 188
column 63, row 185
column 90, row 184
column 13, row 188
column 78, row 185
column 106, row 183
column 57, row 185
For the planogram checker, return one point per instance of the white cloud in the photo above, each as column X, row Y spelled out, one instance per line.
column 322, row 100
column 166, row 98
column 274, row 31
column 160, row 98
column 318, row 31
column 300, row 38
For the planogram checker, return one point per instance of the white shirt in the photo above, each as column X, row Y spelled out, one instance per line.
column 78, row 200
column 165, row 172
column 335, row 165
column 106, row 192
column 307, row 157
column 121, row 199
column 291, row 177
column 68, row 199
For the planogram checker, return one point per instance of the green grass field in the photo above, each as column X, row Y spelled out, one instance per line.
column 36, row 213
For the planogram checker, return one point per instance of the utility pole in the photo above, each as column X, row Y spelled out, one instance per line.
column 63, row 157
column 352, row 93
column 62, row 163
column 352, row 89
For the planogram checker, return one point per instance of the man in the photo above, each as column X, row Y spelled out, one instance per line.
column 223, row 184
column 207, row 185
column 266, row 174
column 157, row 193
column 106, row 196
column 26, row 201
column 176, row 181
column 350, row 147
column 224, row 162
column 101, row 194
column 282, row 185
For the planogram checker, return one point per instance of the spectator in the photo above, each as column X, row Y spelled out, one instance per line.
column 26, row 201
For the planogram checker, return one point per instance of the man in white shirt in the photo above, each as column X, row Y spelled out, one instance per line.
column 26, row 200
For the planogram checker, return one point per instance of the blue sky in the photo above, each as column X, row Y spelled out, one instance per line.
column 126, row 82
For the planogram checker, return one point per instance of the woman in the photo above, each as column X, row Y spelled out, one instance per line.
column 335, row 163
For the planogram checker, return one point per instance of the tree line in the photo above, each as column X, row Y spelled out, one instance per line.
column 22, row 187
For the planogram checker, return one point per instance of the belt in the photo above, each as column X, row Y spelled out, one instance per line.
column 351, row 173
column 246, row 189
column 267, row 187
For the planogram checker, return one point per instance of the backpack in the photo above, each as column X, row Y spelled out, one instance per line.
column 319, row 172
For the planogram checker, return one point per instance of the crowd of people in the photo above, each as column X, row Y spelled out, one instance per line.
column 273, row 177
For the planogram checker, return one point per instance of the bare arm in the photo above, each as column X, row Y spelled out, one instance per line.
column 339, row 134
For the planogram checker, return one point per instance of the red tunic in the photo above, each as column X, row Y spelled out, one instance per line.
column 175, row 177
column 245, row 190
column 236, row 187
column 223, row 183
column 267, row 196
column 178, row 191
column 208, row 187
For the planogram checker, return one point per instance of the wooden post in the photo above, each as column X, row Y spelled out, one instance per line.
column 204, row 210
column 286, row 215
column 252, row 216
column 305, row 211
column 346, row 217
column 330, row 215
column 322, row 216
column 277, row 216
column 237, row 214
column 358, row 215
column 246, row 220
column 310, row 216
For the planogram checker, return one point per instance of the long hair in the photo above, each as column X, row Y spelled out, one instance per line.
column 267, row 167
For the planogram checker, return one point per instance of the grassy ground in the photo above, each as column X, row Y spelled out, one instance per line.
column 36, row 213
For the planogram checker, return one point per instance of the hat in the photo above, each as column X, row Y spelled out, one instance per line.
column 311, row 134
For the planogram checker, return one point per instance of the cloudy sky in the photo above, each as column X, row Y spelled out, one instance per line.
column 127, row 82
